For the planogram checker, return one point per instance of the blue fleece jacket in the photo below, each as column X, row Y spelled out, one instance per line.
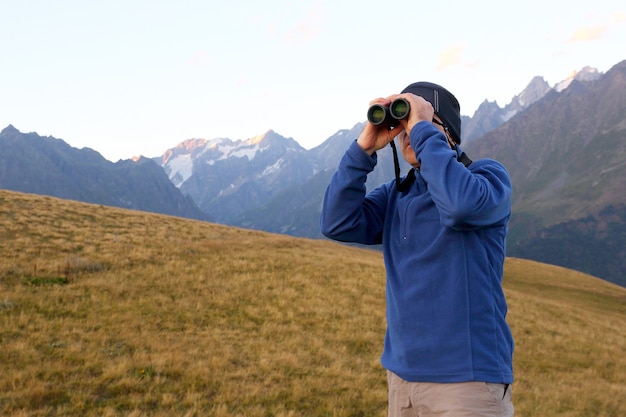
column 444, row 248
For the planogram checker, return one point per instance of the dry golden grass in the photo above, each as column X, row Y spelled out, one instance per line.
column 570, row 334
column 109, row 312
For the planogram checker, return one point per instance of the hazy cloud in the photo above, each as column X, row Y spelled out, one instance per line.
column 307, row 27
column 450, row 56
column 589, row 33
column 293, row 26
column 200, row 59
column 597, row 31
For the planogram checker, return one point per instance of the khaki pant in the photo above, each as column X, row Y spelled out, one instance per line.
column 422, row 399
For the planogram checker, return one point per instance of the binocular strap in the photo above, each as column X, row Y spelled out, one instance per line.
column 403, row 185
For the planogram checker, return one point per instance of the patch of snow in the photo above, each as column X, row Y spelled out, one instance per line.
column 563, row 85
column 181, row 169
column 247, row 152
column 228, row 149
column 275, row 167
column 509, row 114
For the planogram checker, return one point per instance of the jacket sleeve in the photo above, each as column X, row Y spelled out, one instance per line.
column 348, row 215
column 466, row 198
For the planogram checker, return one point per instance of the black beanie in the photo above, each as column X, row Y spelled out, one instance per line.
column 445, row 104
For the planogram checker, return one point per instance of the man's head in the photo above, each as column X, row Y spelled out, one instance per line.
column 445, row 104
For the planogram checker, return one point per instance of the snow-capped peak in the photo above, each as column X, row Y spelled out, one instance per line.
column 585, row 74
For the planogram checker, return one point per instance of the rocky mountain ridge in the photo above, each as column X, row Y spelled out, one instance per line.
column 489, row 115
column 34, row 164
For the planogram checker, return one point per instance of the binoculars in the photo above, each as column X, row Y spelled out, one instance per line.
column 389, row 116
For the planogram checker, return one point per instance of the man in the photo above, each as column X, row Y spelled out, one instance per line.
column 448, row 349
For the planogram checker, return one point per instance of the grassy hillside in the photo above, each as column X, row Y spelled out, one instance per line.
column 108, row 312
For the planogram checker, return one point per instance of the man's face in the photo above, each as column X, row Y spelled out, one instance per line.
column 405, row 144
column 407, row 152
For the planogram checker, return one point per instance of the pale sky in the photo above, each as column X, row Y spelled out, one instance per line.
column 137, row 77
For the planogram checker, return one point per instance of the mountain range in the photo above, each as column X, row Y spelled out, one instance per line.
column 44, row 165
column 563, row 146
column 565, row 154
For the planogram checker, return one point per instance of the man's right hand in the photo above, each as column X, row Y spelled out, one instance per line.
column 373, row 138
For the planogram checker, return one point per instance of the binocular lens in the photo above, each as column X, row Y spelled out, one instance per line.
column 377, row 114
column 399, row 109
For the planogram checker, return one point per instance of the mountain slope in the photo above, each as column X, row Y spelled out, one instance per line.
column 226, row 177
column 489, row 115
column 48, row 166
column 268, row 182
column 566, row 155
column 295, row 211
column 107, row 311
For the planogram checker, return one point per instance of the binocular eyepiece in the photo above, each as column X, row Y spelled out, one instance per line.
column 389, row 116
